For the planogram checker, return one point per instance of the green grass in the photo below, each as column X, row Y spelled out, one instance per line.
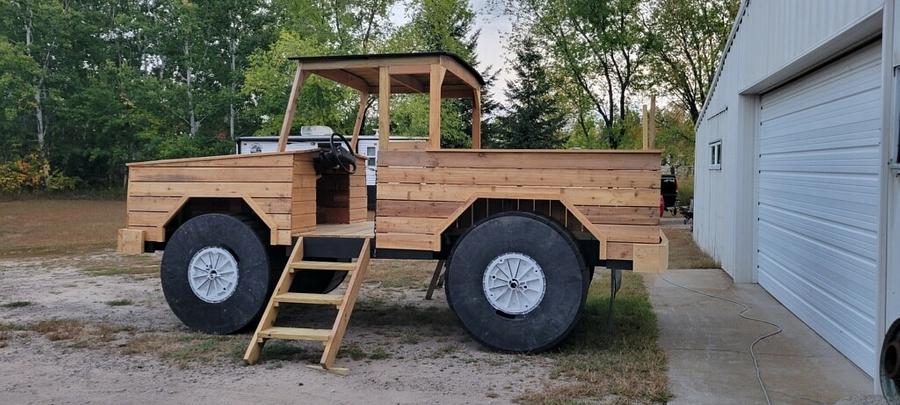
column 602, row 360
column 119, row 303
column 16, row 304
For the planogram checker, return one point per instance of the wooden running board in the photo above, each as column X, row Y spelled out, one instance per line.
column 331, row 338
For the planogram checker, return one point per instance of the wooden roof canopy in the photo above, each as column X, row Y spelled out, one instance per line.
column 438, row 74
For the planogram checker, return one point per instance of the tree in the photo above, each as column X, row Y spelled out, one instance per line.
column 686, row 38
column 534, row 120
column 600, row 45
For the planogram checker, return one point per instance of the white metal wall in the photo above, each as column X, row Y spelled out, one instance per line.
column 773, row 36
column 818, row 194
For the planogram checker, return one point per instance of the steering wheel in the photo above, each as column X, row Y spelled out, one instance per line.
column 343, row 157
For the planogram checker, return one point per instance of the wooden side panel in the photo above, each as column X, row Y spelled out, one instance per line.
column 158, row 190
column 303, row 194
column 421, row 193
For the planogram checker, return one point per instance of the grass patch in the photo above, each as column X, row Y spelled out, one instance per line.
column 51, row 227
column 421, row 321
column 601, row 360
column 444, row 351
column 119, row 303
column 185, row 349
column 685, row 254
column 401, row 273
column 16, row 304
column 357, row 353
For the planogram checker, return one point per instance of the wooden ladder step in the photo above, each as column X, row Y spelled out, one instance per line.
column 280, row 332
column 313, row 265
column 306, row 298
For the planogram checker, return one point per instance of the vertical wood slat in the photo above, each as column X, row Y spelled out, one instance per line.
column 434, row 105
column 384, row 108
column 360, row 116
column 299, row 77
column 476, row 119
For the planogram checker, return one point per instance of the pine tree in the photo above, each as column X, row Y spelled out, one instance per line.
column 535, row 119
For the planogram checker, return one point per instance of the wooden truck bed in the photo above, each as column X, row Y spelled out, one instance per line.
column 611, row 195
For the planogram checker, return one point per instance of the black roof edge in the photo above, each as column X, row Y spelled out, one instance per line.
column 336, row 58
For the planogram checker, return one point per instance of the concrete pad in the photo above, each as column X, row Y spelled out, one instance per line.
column 708, row 346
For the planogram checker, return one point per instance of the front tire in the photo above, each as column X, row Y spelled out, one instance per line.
column 517, row 282
column 216, row 274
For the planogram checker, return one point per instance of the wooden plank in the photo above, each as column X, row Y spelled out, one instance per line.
column 578, row 196
column 619, row 251
column 384, row 107
column 147, row 218
column 425, row 209
column 621, row 215
column 476, row 119
column 434, row 106
column 652, row 258
column 211, row 174
column 130, row 241
column 248, row 160
column 418, row 144
column 409, row 225
column 360, row 116
column 357, row 230
column 291, row 108
column 346, row 308
column 545, row 159
column 411, row 241
column 522, row 177
column 151, row 233
column 151, row 203
column 224, row 189
column 630, row 233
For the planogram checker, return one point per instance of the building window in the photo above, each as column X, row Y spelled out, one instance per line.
column 715, row 155
column 370, row 152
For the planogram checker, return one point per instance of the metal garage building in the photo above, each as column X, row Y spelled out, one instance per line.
column 796, row 184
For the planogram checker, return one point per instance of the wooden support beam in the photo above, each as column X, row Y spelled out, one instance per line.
column 459, row 71
column 434, row 105
column 645, row 128
column 410, row 82
column 344, row 77
column 651, row 130
column 299, row 77
column 360, row 116
column 384, row 106
column 476, row 119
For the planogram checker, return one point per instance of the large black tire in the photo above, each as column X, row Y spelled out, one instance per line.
column 889, row 364
column 552, row 248
column 255, row 276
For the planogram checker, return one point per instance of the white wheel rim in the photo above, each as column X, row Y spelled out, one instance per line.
column 213, row 274
column 514, row 283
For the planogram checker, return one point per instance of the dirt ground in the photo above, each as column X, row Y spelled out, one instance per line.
column 82, row 324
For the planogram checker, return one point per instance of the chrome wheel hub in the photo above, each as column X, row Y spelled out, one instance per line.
column 514, row 283
column 213, row 274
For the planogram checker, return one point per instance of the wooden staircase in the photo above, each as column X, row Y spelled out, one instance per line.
column 330, row 337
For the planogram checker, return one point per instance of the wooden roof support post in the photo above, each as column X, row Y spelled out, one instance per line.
column 360, row 115
column 476, row 119
column 384, row 107
column 651, row 126
column 299, row 77
column 434, row 106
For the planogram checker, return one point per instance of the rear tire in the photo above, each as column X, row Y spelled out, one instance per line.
column 216, row 274
column 517, row 282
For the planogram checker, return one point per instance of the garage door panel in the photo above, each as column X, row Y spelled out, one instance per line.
column 852, row 341
column 818, row 163
column 848, row 111
column 851, row 240
column 847, row 77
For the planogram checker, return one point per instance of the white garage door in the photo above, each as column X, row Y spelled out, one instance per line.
column 818, row 200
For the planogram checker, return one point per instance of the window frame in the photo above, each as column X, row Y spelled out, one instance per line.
column 715, row 155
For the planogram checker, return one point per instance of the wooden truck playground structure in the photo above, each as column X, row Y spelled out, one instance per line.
column 516, row 232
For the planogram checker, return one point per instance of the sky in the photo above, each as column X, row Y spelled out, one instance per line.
column 492, row 50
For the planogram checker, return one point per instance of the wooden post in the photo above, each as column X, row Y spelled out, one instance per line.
column 476, row 119
column 384, row 106
column 434, row 106
column 651, row 131
column 645, row 129
column 299, row 77
column 360, row 115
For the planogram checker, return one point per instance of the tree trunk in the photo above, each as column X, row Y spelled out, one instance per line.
column 38, row 95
